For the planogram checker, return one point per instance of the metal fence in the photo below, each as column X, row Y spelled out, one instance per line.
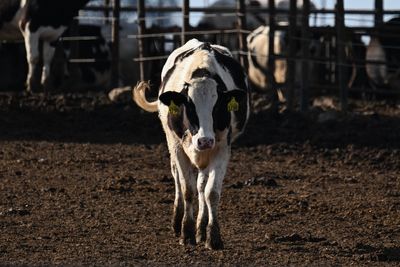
column 179, row 35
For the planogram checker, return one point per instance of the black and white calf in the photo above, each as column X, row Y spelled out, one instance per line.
column 203, row 105
column 35, row 21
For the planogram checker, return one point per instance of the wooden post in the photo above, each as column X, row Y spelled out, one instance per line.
column 241, row 25
column 378, row 13
column 115, row 44
column 292, row 53
column 141, row 31
column 185, row 22
column 271, row 50
column 340, row 39
column 304, row 92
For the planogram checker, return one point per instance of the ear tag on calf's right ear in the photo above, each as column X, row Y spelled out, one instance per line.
column 173, row 109
column 233, row 105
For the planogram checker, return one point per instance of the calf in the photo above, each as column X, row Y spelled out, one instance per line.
column 35, row 21
column 203, row 106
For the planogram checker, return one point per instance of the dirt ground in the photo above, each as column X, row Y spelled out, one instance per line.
column 87, row 182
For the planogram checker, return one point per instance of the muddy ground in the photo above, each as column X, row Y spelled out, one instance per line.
column 87, row 182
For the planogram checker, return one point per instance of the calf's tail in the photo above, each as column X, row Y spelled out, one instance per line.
column 140, row 98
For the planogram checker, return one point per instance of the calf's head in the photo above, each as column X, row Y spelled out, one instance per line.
column 201, row 109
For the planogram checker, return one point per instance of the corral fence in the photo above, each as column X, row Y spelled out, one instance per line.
column 334, row 61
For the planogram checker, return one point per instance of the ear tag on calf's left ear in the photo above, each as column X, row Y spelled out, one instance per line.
column 173, row 109
column 233, row 105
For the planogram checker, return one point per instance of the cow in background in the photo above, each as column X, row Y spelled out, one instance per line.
column 212, row 21
column 37, row 21
column 93, row 72
column 259, row 74
column 385, row 47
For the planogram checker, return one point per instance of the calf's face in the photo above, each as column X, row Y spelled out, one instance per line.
column 201, row 109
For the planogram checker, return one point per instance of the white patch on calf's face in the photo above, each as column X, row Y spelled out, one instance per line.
column 203, row 93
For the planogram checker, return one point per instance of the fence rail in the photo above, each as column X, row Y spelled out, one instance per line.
column 112, row 11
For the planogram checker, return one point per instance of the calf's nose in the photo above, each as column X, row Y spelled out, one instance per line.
column 205, row 143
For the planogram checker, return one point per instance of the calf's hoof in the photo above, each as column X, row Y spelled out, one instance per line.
column 214, row 244
column 214, row 240
column 200, row 236
column 187, row 241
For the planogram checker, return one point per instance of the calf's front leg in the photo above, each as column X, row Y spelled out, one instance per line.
column 212, row 195
column 202, row 217
column 187, row 184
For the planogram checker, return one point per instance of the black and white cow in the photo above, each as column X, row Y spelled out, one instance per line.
column 385, row 47
column 257, row 46
column 35, row 21
column 94, row 72
column 203, row 106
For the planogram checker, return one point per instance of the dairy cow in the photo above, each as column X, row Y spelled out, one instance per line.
column 385, row 47
column 203, row 106
column 35, row 21
column 259, row 73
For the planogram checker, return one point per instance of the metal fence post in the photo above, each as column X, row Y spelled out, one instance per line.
column 304, row 92
column 141, row 31
column 339, row 23
column 378, row 12
column 241, row 25
column 271, row 47
column 115, row 44
column 292, row 53
column 185, row 22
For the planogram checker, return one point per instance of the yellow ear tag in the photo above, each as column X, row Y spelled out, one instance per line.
column 233, row 105
column 173, row 109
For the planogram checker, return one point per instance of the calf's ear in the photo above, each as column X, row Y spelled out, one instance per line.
column 168, row 97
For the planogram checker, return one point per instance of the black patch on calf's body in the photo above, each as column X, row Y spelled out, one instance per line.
column 8, row 9
column 205, row 46
column 192, row 117
column 239, row 77
column 221, row 87
column 169, row 72
column 235, row 69
column 175, row 122
column 200, row 73
column 221, row 115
